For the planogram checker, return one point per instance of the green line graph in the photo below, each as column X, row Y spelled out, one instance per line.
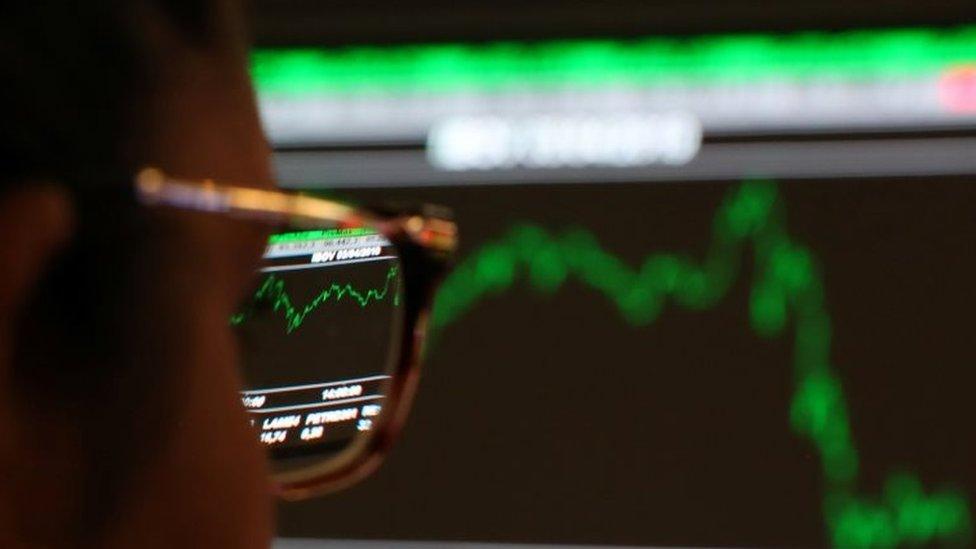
column 787, row 292
column 272, row 291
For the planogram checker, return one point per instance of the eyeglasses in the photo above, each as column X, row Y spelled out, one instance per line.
column 332, row 334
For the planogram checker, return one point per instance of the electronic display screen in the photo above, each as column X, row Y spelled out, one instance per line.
column 711, row 290
column 317, row 338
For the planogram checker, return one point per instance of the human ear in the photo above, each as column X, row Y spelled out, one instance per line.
column 35, row 222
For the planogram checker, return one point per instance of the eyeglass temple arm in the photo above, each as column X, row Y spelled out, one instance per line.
column 153, row 187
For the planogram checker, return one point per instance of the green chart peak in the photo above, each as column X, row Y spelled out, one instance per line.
column 787, row 293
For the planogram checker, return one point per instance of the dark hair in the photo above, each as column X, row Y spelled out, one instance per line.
column 76, row 78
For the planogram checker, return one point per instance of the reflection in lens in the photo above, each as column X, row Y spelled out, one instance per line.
column 317, row 337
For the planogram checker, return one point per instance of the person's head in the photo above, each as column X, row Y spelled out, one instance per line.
column 120, row 419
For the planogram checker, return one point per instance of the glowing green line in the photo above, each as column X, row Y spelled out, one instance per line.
column 787, row 289
column 708, row 60
column 272, row 291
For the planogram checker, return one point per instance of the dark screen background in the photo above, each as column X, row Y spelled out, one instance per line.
column 552, row 419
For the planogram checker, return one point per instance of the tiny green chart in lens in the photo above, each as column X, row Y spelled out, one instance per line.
column 317, row 335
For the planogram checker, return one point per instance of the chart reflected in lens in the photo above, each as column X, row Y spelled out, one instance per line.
column 317, row 337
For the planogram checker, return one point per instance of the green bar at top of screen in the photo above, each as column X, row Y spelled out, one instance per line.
column 692, row 60
column 324, row 234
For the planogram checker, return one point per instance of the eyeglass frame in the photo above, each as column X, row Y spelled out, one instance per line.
column 425, row 239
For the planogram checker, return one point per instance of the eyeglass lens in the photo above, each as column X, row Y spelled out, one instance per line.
column 319, row 338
